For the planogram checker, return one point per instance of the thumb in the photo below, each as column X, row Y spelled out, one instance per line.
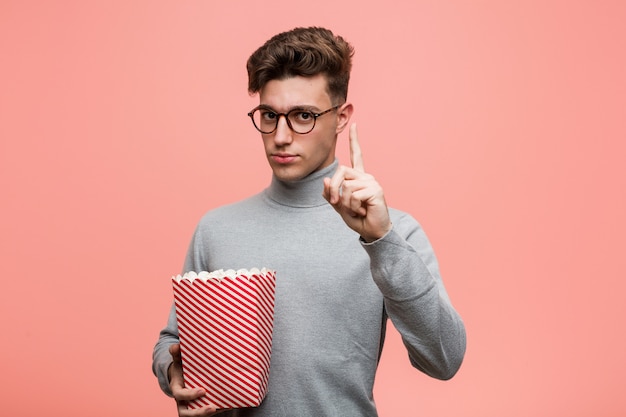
column 175, row 351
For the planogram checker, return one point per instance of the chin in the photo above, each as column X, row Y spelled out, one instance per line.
column 288, row 173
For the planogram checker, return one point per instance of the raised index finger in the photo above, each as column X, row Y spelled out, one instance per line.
column 356, row 157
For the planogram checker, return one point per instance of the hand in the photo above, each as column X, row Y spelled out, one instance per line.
column 357, row 197
column 181, row 394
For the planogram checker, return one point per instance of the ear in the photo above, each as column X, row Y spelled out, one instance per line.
column 344, row 113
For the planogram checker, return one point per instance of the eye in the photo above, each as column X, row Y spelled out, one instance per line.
column 303, row 116
column 267, row 115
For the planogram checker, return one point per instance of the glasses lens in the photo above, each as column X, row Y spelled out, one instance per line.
column 265, row 120
column 301, row 121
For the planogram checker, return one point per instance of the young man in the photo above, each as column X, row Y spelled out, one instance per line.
column 345, row 262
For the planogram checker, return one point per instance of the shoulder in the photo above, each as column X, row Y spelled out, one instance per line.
column 408, row 227
column 245, row 207
column 402, row 220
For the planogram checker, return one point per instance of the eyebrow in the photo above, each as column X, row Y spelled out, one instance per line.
column 312, row 109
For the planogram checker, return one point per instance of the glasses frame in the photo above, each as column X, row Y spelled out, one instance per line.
column 315, row 116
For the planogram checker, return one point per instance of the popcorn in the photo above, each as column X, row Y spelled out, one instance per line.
column 225, row 324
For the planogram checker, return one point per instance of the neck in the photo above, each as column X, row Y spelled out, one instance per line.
column 306, row 192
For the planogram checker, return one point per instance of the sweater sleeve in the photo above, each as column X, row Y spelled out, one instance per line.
column 161, row 358
column 405, row 269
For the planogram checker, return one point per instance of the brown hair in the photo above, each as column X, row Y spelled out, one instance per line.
column 303, row 52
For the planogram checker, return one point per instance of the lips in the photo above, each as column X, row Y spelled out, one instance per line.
column 283, row 158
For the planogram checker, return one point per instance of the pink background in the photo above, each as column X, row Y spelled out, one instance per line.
column 501, row 125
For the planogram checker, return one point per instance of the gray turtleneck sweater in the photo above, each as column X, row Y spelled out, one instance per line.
column 334, row 293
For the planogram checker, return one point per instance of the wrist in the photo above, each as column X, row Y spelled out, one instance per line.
column 368, row 239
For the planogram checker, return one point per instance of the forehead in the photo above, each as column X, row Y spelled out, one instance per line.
column 295, row 91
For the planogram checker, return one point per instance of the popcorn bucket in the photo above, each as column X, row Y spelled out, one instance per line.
column 225, row 323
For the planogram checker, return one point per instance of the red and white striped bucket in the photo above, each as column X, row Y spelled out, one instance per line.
column 225, row 323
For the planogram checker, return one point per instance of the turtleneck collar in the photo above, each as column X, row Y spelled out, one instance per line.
column 306, row 192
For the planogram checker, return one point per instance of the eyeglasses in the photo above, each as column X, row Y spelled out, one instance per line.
column 299, row 120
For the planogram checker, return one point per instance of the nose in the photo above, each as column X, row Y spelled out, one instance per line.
column 282, row 134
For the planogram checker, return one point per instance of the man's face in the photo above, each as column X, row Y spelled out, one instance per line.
column 293, row 156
